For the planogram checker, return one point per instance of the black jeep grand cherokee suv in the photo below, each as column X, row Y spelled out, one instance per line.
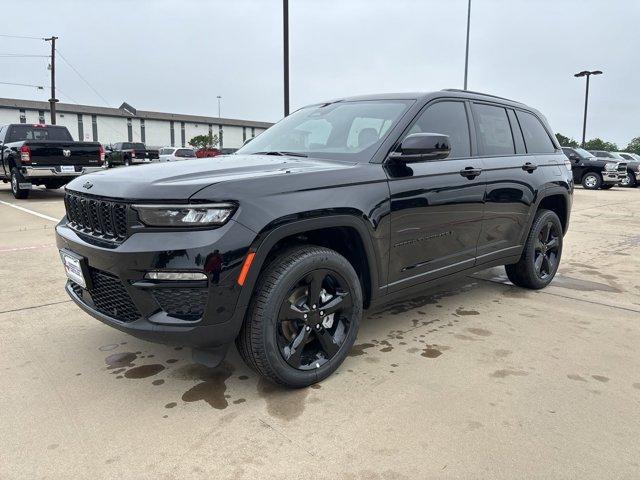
column 340, row 206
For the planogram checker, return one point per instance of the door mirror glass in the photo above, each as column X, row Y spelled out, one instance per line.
column 419, row 147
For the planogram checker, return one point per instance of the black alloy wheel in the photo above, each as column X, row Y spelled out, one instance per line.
column 541, row 255
column 547, row 246
column 314, row 319
column 303, row 317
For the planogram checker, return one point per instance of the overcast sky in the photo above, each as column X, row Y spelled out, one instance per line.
column 178, row 55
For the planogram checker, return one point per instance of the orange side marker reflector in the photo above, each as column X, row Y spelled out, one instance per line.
column 245, row 268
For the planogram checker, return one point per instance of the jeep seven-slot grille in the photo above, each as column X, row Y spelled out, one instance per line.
column 99, row 218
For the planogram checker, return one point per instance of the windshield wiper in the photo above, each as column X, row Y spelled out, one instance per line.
column 281, row 153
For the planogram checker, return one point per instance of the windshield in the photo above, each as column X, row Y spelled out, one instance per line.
column 343, row 130
column 617, row 155
column 584, row 153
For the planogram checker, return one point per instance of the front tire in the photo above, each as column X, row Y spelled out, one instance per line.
column 592, row 181
column 631, row 180
column 303, row 318
column 541, row 255
column 16, row 180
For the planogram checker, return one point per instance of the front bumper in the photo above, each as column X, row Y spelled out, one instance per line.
column 201, row 314
column 612, row 176
column 38, row 172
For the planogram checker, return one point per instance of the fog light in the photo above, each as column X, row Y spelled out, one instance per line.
column 175, row 276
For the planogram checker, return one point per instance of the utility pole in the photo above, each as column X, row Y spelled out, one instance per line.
column 586, row 73
column 285, row 25
column 219, row 98
column 466, row 55
column 53, row 99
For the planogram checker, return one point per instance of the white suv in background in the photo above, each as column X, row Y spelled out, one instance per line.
column 174, row 154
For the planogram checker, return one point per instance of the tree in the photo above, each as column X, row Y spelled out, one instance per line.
column 204, row 141
column 634, row 146
column 566, row 141
column 599, row 144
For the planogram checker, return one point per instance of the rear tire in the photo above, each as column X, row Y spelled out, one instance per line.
column 592, row 181
column 541, row 255
column 16, row 180
column 127, row 162
column 287, row 336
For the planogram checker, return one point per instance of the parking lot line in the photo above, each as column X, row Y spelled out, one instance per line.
column 32, row 212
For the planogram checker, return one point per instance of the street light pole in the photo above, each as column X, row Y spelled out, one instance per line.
column 285, row 28
column 466, row 55
column 53, row 99
column 586, row 73
column 220, row 129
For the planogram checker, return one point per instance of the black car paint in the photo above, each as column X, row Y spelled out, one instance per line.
column 280, row 196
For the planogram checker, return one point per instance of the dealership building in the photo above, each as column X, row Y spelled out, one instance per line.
column 127, row 124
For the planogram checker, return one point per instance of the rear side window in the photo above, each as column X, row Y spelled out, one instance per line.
column 448, row 118
column 18, row 133
column 536, row 137
column 494, row 131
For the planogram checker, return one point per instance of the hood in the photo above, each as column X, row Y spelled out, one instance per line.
column 180, row 180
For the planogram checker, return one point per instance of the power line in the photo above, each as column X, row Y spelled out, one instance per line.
column 39, row 87
column 20, row 36
column 82, row 78
column 18, row 55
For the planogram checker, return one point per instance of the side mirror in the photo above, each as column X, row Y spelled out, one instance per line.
column 419, row 147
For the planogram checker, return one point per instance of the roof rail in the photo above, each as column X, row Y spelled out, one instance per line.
column 478, row 93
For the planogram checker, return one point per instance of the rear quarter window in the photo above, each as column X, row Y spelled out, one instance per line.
column 494, row 130
column 536, row 137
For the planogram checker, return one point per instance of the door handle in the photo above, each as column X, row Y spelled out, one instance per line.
column 529, row 167
column 470, row 172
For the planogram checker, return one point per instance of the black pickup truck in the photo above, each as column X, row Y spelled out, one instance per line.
column 129, row 153
column 341, row 206
column 595, row 173
column 44, row 155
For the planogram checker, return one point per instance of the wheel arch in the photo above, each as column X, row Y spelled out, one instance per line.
column 346, row 234
column 557, row 200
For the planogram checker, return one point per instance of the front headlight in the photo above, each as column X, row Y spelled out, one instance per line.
column 214, row 214
column 610, row 167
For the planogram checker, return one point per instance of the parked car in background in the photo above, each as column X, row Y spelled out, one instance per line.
column 281, row 246
column 633, row 168
column 44, row 155
column 129, row 153
column 207, row 152
column 592, row 172
column 174, row 154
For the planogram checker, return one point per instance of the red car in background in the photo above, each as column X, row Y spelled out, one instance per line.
column 207, row 152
